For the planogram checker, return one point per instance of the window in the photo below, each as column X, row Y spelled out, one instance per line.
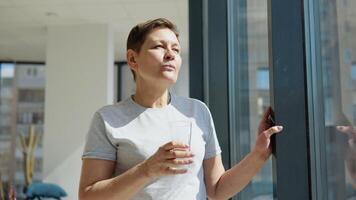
column 312, row 90
column 335, row 120
column 251, row 84
column 353, row 71
column 34, row 72
column 7, row 71
column 22, row 96
column 29, row 72
column 31, row 95
column 262, row 79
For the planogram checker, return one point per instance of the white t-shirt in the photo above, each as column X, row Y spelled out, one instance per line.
column 129, row 133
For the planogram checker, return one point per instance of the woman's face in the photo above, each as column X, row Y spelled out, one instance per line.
column 159, row 59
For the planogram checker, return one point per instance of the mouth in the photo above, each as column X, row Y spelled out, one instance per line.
column 168, row 68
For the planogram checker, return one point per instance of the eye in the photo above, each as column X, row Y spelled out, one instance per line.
column 176, row 50
column 158, row 46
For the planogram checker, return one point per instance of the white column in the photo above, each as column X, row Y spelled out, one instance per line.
column 79, row 80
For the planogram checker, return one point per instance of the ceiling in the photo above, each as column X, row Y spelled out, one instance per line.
column 23, row 22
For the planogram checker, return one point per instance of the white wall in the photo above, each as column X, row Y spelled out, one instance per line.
column 79, row 80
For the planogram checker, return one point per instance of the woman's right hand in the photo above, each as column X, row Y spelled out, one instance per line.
column 167, row 160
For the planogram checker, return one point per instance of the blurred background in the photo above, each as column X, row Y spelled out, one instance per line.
column 61, row 60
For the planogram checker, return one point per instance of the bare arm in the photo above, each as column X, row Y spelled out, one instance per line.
column 223, row 185
column 96, row 180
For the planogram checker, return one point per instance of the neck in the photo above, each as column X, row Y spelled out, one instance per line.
column 151, row 97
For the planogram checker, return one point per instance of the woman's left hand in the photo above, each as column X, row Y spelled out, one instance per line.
column 265, row 131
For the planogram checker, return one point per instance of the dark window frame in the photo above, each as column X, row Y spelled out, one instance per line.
column 292, row 147
column 119, row 65
column 209, row 65
column 289, row 99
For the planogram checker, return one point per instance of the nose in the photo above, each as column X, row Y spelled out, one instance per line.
column 169, row 55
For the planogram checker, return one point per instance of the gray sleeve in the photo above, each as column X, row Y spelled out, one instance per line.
column 98, row 144
column 212, row 147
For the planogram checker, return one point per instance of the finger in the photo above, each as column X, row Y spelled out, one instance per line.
column 346, row 129
column 267, row 120
column 186, row 146
column 172, row 170
column 175, row 162
column 267, row 113
column 275, row 129
column 176, row 153
column 174, row 144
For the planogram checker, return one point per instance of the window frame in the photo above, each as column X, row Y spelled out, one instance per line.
column 209, row 25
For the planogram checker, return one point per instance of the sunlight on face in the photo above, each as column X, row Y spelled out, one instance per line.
column 159, row 59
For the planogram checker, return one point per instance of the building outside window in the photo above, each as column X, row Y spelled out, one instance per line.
column 22, row 105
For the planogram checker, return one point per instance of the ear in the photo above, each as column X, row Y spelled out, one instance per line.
column 131, row 59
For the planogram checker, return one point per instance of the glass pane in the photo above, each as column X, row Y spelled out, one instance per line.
column 6, row 128
column 252, row 78
column 259, row 97
column 338, row 58
column 21, row 118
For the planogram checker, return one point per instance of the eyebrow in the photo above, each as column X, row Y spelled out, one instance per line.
column 164, row 41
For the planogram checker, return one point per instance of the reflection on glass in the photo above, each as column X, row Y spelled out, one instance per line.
column 253, row 88
column 338, row 58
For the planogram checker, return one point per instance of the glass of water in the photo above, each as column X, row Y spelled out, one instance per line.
column 181, row 131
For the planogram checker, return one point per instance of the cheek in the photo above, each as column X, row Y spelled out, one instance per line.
column 148, row 61
column 154, row 58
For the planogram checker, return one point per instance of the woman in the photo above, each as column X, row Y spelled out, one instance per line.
column 129, row 153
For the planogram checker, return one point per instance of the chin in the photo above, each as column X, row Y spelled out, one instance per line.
column 170, row 78
column 170, row 81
